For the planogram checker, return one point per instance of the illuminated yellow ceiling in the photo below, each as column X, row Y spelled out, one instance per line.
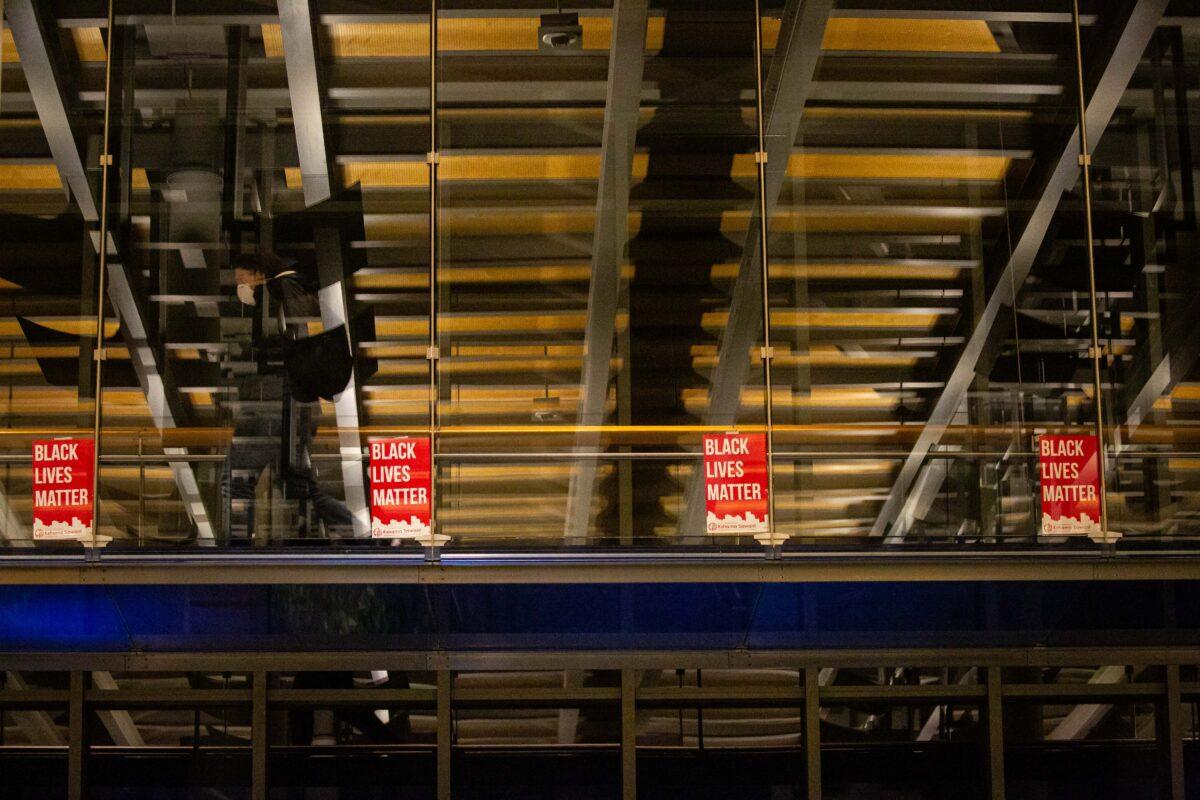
column 549, row 273
column 586, row 166
column 78, row 326
column 517, row 34
column 909, row 35
column 45, row 177
column 541, row 222
column 705, row 357
column 799, row 271
column 920, row 319
column 89, row 46
column 696, row 400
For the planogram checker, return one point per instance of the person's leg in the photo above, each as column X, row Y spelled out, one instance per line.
column 339, row 522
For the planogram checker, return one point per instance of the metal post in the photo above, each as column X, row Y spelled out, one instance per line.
column 141, row 531
column 445, row 731
column 258, row 736
column 629, row 734
column 99, row 353
column 812, row 733
column 433, row 354
column 1085, row 168
column 760, row 159
column 994, row 720
column 1170, row 736
column 76, row 738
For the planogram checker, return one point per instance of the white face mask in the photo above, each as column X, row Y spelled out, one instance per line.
column 245, row 293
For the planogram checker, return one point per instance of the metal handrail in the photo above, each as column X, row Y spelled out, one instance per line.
column 658, row 455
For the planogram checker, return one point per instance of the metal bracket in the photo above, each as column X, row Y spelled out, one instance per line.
column 433, row 157
column 1085, row 160
column 760, row 157
column 106, row 160
column 432, row 353
column 766, row 353
column 100, row 354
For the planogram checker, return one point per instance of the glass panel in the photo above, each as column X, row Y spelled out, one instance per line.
column 1144, row 199
column 918, row 192
column 598, row 261
column 596, row 167
column 262, row 161
column 50, row 140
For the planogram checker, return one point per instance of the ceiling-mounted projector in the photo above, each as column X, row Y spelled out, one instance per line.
column 560, row 32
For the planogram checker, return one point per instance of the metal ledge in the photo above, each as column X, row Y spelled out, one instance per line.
column 523, row 697
column 519, row 660
column 597, row 568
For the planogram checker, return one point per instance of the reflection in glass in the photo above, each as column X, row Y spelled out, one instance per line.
column 597, row 298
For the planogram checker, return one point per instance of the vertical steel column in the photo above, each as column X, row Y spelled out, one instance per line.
column 1085, row 168
column 432, row 354
column 100, row 353
column 994, row 739
column 812, row 733
column 629, row 685
column 76, row 739
column 445, row 734
column 1170, row 736
column 258, row 736
column 767, row 353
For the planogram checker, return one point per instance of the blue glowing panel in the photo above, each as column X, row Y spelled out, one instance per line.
column 595, row 617
column 60, row 618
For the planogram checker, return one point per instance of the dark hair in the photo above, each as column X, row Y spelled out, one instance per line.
column 264, row 261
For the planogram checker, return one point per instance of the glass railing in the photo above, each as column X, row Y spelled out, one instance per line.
column 825, row 499
column 569, row 253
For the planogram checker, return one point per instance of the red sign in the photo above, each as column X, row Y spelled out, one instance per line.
column 400, row 488
column 1070, row 479
column 62, row 488
column 735, row 483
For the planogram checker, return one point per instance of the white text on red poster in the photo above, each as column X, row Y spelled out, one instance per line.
column 735, row 483
column 62, row 488
column 1068, row 468
column 400, row 487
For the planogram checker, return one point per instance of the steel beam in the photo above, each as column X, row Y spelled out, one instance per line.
column 1171, row 351
column 162, row 396
column 298, row 26
column 568, row 718
column 445, row 734
column 76, row 739
column 788, row 83
column 1170, row 735
column 934, row 722
column 1083, row 718
column 812, row 732
column 259, row 789
column 629, row 685
column 117, row 722
column 33, row 32
column 306, row 89
column 37, row 724
column 43, row 78
column 622, row 100
column 900, row 508
column 994, row 734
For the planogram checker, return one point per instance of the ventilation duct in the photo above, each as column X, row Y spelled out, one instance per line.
column 192, row 189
